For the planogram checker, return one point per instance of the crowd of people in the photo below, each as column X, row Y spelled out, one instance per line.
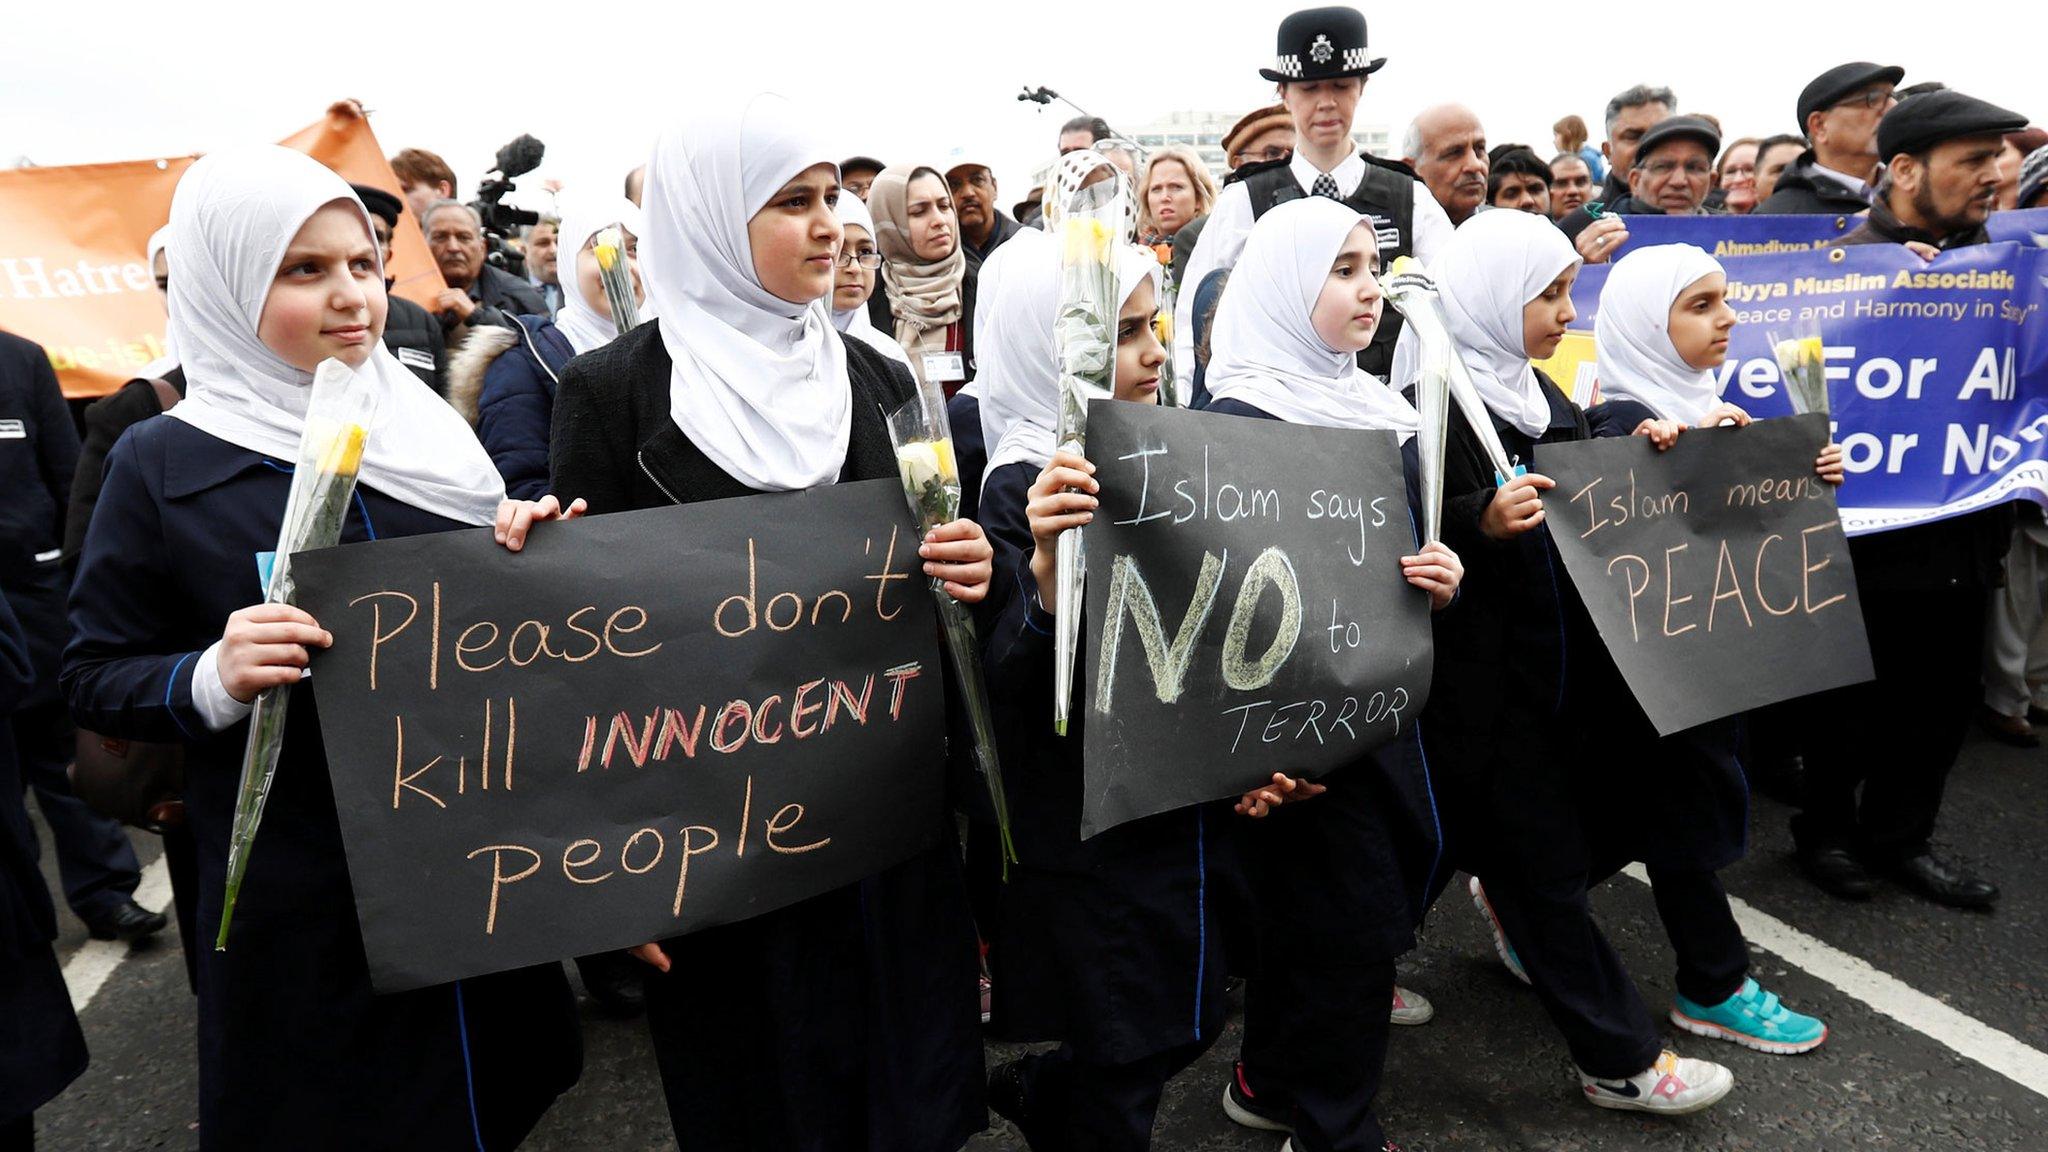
column 791, row 294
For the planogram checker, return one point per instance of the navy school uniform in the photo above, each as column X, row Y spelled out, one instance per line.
column 294, row 1048
column 1339, row 883
column 843, row 1023
column 1110, row 944
column 41, row 1048
column 970, row 450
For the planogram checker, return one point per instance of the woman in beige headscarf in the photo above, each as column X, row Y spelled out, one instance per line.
column 926, row 299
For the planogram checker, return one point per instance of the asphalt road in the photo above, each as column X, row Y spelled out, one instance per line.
column 1488, row 1073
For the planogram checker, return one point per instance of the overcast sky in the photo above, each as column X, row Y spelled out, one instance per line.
column 119, row 79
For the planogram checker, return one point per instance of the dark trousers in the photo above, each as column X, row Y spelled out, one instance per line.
column 1577, row 975
column 95, row 862
column 18, row 1135
column 1713, row 959
column 1076, row 1106
column 1315, row 1042
column 1896, row 736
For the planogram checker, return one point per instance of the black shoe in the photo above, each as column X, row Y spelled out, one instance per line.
column 1944, row 883
column 1246, row 1110
column 126, row 920
column 1008, row 1086
column 615, row 981
column 1837, row 873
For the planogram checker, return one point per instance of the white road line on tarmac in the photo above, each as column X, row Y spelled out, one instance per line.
column 1887, row 994
column 90, row 966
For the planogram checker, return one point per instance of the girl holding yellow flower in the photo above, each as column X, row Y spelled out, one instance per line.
column 278, row 272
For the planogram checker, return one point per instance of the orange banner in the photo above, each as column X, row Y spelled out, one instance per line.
column 73, row 272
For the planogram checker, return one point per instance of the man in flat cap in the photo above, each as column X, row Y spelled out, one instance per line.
column 1671, row 170
column 1839, row 112
column 1320, row 64
column 1924, row 589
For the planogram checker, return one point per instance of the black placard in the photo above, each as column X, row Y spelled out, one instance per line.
column 1716, row 572
column 1247, row 612
column 641, row 725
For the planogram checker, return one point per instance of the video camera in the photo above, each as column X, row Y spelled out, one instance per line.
column 516, row 159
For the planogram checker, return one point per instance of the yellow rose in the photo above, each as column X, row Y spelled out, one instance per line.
column 1810, row 349
column 1403, row 265
column 949, row 468
column 343, row 455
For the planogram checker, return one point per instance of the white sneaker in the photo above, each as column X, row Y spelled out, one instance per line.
column 1674, row 1086
column 1411, row 1007
column 1501, row 947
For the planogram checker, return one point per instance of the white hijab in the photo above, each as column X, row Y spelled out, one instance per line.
column 1489, row 270
column 233, row 217
column 1267, row 352
column 1018, row 298
column 854, row 321
column 1635, row 358
column 758, row 384
column 158, row 242
column 579, row 320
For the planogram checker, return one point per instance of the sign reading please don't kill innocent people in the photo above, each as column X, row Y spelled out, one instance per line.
column 641, row 725
column 1246, row 608
column 1716, row 572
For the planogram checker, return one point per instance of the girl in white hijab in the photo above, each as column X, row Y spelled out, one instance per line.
column 277, row 271
column 1528, row 724
column 1303, row 301
column 859, row 259
column 842, row 1023
column 1127, row 980
column 1662, row 336
column 503, row 379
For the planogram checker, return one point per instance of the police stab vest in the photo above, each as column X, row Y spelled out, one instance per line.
column 1386, row 196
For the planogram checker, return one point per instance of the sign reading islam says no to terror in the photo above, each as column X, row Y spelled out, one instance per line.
column 1246, row 608
column 641, row 725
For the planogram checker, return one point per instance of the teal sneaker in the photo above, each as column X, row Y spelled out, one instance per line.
column 1754, row 1019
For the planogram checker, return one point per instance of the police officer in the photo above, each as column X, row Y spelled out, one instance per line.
column 1321, row 65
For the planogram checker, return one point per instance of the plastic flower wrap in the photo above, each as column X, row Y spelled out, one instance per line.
column 1162, row 326
column 617, row 277
column 1094, row 208
column 337, row 426
column 1803, row 361
column 931, row 480
column 1409, row 288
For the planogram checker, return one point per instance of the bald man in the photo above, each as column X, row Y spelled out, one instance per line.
column 1447, row 148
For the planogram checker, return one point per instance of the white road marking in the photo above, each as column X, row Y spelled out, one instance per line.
column 1965, row 1035
column 90, row 966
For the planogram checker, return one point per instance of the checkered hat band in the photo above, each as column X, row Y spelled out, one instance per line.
column 1288, row 65
column 1355, row 58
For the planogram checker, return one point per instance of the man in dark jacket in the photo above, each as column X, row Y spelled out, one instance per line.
column 1630, row 115
column 1925, row 588
column 477, row 292
column 38, row 455
column 1839, row 111
column 1670, row 172
column 410, row 331
column 983, row 227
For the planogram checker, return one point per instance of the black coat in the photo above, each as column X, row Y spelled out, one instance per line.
column 846, row 1021
column 38, row 457
column 414, row 336
column 105, row 419
column 294, row 1048
column 41, row 1047
column 1575, row 221
column 1804, row 190
column 500, row 296
column 1538, row 749
column 1112, row 943
column 970, row 450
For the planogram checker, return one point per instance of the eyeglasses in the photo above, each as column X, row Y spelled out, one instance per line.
column 1870, row 98
column 1692, row 168
column 867, row 260
column 1266, row 155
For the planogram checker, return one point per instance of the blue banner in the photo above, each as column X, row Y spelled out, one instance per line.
column 1725, row 236
column 1937, row 372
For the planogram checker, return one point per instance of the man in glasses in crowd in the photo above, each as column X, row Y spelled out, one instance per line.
column 1670, row 174
column 1839, row 112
